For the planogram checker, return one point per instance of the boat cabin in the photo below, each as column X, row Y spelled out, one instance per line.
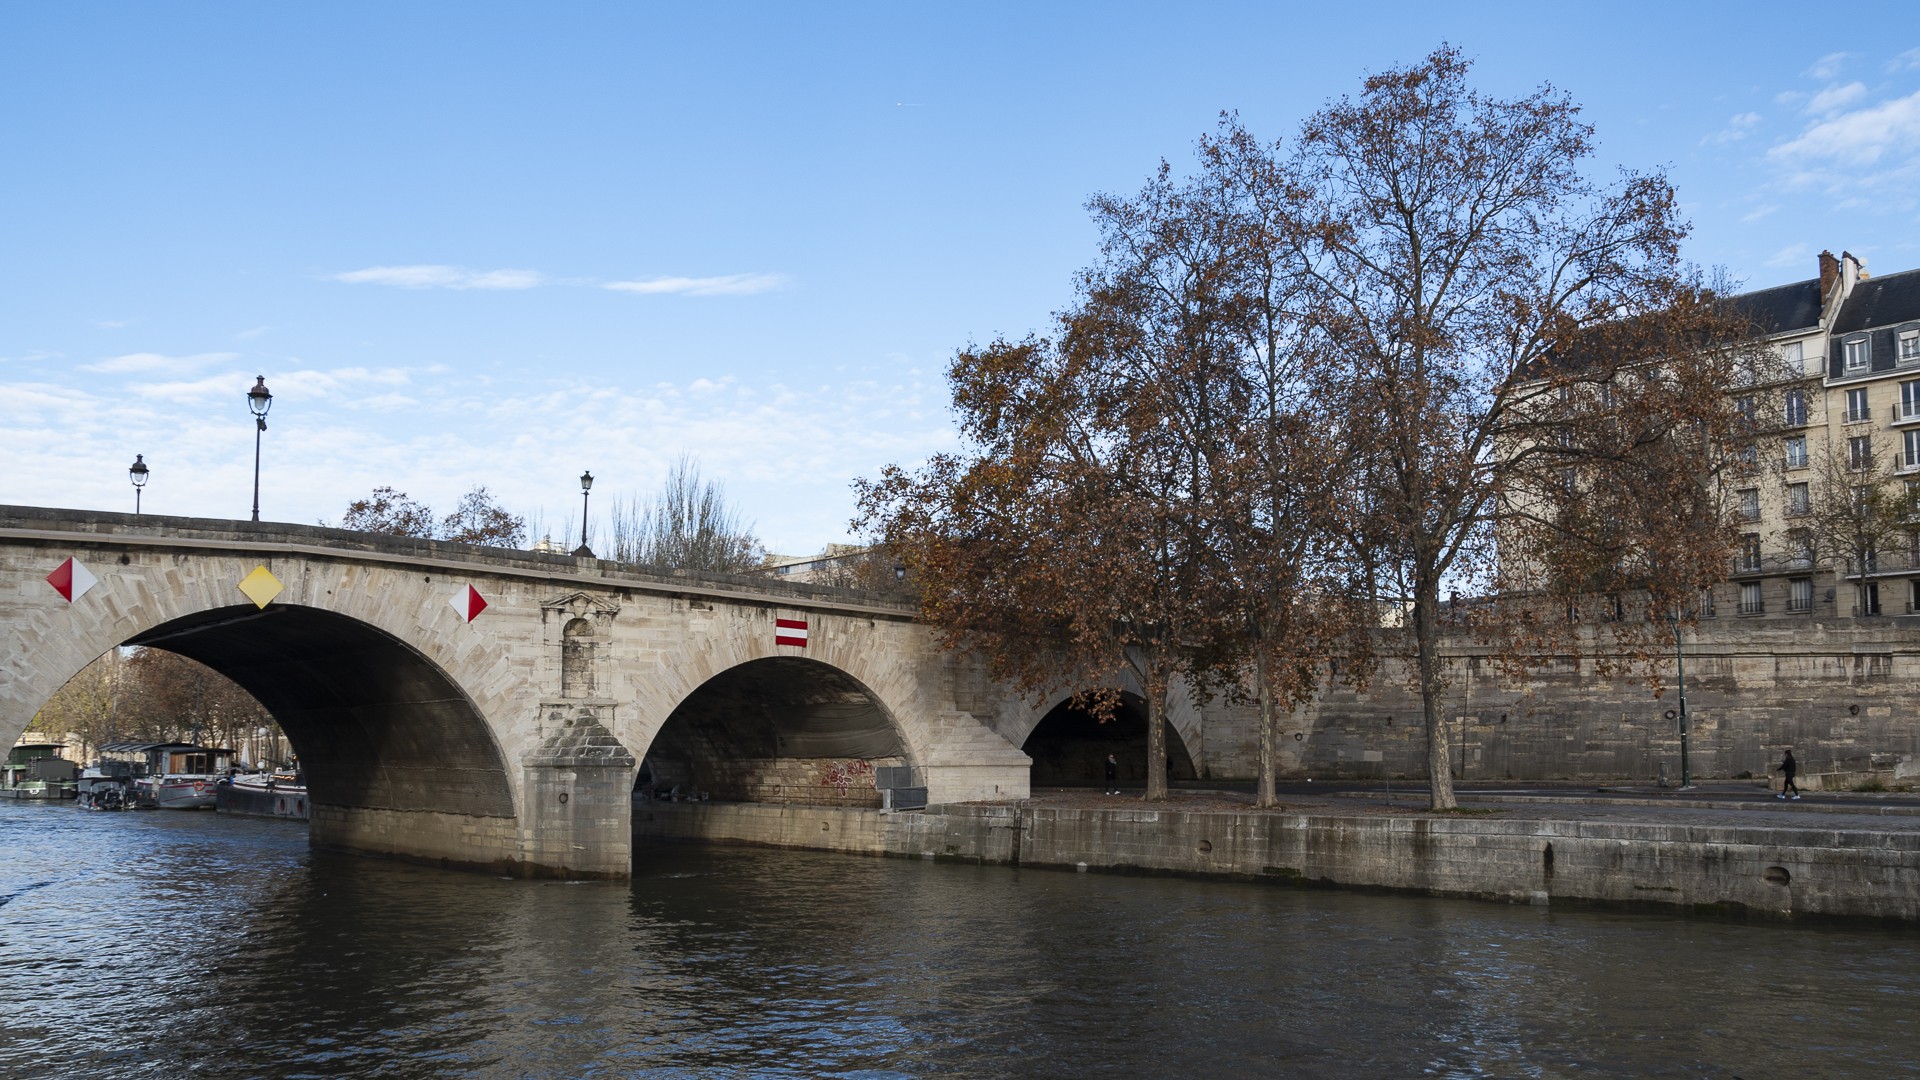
column 169, row 759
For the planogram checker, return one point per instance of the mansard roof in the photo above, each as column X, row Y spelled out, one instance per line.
column 1783, row 308
column 1881, row 301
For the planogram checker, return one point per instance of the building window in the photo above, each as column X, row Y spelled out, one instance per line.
column 1792, row 352
column 1913, row 596
column 1800, row 548
column 1857, row 409
column 1909, row 345
column 1909, row 399
column 1797, row 452
column 1800, row 594
column 1860, row 452
column 1743, row 405
column 1799, row 500
column 1750, row 602
column 1746, row 460
column 1750, row 503
column 1796, row 408
column 1910, row 448
column 1706, row 603
column 1749, row 553
column 1857, row 355
column 1870, row 598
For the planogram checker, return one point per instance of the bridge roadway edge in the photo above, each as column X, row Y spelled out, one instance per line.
column 1774, row 873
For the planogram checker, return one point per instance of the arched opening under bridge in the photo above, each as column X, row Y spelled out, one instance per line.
column 775, row 730
column 1069, row 746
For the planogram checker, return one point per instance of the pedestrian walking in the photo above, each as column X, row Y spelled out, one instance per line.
column 1113, row 775
column 1787, row 768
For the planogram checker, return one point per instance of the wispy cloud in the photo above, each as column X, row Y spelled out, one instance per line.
column 433, row 276
column 1791, row 255
column 1828, row 66
column 1906, row 61
column 1861, row 137
column 1736, row 129
column 725, row 285
column 1835, row 98
column 249, row 335
column 147, row 363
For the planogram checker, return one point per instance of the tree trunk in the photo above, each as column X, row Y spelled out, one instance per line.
column 1157, row 741
column 1426, row 632
column 1266, row 795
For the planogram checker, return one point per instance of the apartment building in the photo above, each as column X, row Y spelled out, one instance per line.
column 1840, row 435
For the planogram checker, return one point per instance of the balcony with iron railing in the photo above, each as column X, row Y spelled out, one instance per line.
column 1752, row 607
column 1906, row 412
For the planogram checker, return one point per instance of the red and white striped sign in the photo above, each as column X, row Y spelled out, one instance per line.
column 469, row 603
column 790, row 632
column 72, row 580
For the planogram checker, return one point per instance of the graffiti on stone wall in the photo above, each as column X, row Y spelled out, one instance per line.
column 842, row 775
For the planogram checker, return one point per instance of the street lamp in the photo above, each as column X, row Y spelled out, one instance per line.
column 586, row 485
column 1680, row 667
column 137, row 472
column 259, row 399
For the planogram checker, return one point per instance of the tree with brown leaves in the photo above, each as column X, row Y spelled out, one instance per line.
column 1537, row 387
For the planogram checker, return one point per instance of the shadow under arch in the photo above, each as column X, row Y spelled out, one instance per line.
column 376, row 724
column 782, row 729
column 1069, row 746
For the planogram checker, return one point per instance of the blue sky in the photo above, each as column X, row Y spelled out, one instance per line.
column 499, row 244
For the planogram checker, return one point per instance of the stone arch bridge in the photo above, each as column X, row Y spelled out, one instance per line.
column 507, row 736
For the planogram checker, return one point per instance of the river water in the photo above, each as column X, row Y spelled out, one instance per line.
column 173, row 944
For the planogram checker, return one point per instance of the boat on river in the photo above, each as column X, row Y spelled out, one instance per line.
column 275, row 794
column 37, row 771
column 172, row 776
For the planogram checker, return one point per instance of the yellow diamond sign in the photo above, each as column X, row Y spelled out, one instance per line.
column 261, row 586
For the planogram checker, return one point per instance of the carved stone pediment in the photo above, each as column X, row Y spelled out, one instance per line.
column 580, row 605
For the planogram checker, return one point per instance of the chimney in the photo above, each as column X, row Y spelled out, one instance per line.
column 1829, row 271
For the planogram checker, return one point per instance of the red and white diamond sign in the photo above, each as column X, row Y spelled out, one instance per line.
column 72, row 580
column 469, row 603
column 790, row 632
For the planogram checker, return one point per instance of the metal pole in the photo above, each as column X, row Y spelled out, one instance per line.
column 583, row 518
column 136, row 502
column 1680, row 663
column 257, row 432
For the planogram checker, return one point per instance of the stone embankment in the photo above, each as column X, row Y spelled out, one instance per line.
column 1743, row 860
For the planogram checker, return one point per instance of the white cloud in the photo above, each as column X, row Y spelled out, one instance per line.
column 249, row 335
column 441, row 277
column 1828, row 66
column 1759, row 212
column 1835, row 98
column 1736, row 129
column 724, row 285
column 1861, row 137
column 158, row 364
column 1906, row 61
column 1791, row 255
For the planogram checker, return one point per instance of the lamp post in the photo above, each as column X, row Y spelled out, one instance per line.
column 259, row 400
column 586, row 485
column 1680, row 667
column 137, row 472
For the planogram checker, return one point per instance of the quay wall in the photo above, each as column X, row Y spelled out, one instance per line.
column 1752, row 871
column 1844, row 694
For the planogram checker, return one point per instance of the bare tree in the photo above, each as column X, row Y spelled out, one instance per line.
column 1535, row 385
column 1858, row 517
column 480, row 519
column 390, row 512
column 688, row 525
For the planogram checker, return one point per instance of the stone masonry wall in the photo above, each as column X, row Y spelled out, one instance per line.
column 1845, row 695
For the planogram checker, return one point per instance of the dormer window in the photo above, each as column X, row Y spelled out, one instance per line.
column 1909, row 345
column 1791, row 353
column 1857, row 355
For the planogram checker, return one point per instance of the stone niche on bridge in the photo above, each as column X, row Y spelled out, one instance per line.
column 579, row 776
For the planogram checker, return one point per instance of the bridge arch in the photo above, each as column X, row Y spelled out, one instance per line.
column 377, row 725
column 785, row 729
column 1069, row 745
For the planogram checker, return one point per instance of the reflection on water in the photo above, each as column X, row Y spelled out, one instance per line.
column 169, row 944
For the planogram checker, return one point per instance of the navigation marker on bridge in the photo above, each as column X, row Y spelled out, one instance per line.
column 790, row 632
column 469, row 603
column 261, row 586
column 72, row 580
